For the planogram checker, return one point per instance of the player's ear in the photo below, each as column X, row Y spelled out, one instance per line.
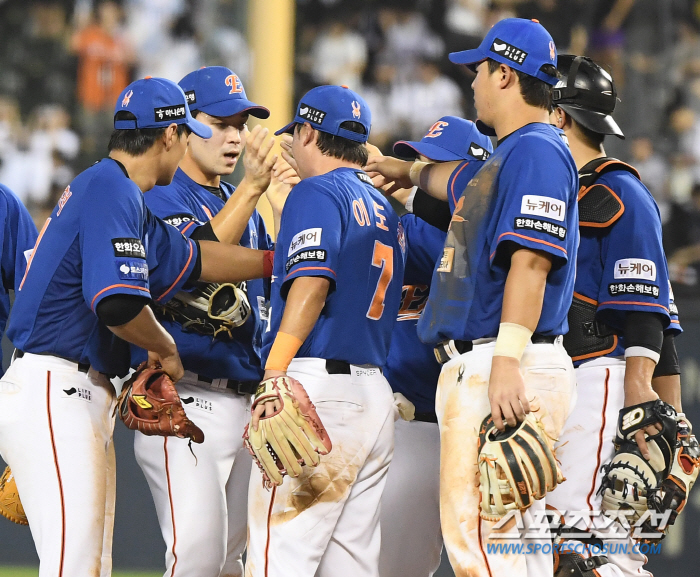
column 306, row 134
column 506, row 76
column 170, row 136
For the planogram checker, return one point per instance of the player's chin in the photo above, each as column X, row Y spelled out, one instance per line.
column 228, row 162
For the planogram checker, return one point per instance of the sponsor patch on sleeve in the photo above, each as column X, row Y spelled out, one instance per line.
column 179, row 219
column 132, row 270
column 448, row 255
column 128, row 247
column 304, row 239
column 318, row 255
column 638, row 268
column 546, row 206
column 640, row 289
column 555, row 230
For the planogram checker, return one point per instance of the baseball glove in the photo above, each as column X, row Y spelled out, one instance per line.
column 212, row 309
column 290, row 438
column 516, row 467
column 663, row 482
column 149, row 403
column 10, row 505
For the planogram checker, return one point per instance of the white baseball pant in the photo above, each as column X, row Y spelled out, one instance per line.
column 202, row 498
column 585, row 444
column 56, row 429
column 462, row 404
column 326, row 522
column 410, row 514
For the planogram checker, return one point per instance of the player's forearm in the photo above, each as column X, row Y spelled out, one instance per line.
column 434, row 179
column 230, row 223
column 668, row 388
column 305, row 301
column 524, row 291
column 230, row 263
column 638, row 373
column 146, row 332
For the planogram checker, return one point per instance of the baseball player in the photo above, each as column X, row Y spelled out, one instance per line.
column 497, row 304
column 100, row 257
column 201, row 503
column 335, row 295
column 410, row 514
column 623, row 291
column 17, row 242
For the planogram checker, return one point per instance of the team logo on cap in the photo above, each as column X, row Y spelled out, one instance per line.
column 312, row 114
column 235, row 84
column 478, row 152
column 508, row 51
column 127, row 98
column 356, row 112
column 552, row 50
column 436, row 129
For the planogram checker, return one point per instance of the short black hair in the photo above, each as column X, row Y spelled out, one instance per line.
column 535, row 92
column 137, row 141
column 590, row 138
column 343, row 148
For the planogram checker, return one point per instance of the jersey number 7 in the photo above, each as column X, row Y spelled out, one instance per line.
column 382, row 258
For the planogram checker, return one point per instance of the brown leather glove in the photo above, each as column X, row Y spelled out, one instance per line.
column 10, row 505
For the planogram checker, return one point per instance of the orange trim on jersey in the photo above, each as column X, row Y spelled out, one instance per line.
column 58, row 474
column 481, row 548
column 633, row 303
column 598, row 353
column 36, row 245
column 676, row 322
column 600, row 440
column 452, row 184
column 615, row 161
column 269, row 519
column 528, row 238
column 177, row 280
column 585, row 299
column 310, row 268
column 170, row 498
column 189, row 224
column 92, row 304
column 606, row 224
column 208, row 212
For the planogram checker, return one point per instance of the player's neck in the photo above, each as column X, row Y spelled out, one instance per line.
column 322, row 164
column 190, row 167
column 139, row 168
column 515, row 115
column 584, row 153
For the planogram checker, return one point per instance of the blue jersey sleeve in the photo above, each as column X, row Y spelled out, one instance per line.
column 112, row 248
column 538, row 211
column 18, row 240
column 310, row 233
column 171, row 206
column 459, row 179
column 635, row 275
column 171, row 258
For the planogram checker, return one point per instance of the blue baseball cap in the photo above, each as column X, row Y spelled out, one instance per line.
column 450, row 138
column 156, row 103
column 325, row 108
column 524, row 45
column 217, row 91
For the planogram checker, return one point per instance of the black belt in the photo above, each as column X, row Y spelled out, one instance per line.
column 82, row 367
column 430, row 417
column 446, row 350
column 334, row 367
column 240, row 387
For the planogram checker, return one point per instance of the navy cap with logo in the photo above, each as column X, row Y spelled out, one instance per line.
column 450, row 138
column 325, row 108
column 156, row 103
column 217, row 91
column 524, row 45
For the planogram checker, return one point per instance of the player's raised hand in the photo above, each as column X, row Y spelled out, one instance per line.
column 286, row 145
column 284, row 177
column 385, row 170
column 258, row 159
column 509, row 403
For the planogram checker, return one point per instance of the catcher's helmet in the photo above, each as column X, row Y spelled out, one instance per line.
column 587, row 93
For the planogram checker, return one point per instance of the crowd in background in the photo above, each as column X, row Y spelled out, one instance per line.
column 63, row 62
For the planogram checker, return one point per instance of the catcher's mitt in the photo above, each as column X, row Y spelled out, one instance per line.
column 212, row 309
column 292, row 437
column 663, row 482
column 10, row 505
column 149, row 403
column 516, row 467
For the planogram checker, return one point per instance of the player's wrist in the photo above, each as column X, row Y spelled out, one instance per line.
column 252, row 187
column 416, row 171
column 283, row 350
column 511, row 341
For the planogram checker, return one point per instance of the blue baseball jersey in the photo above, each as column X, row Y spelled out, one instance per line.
column 100, row 240
column 338, row 226
column 411, row 367
column 622, row 267
column 525, row 193
column 17, row 242
column 187, row 205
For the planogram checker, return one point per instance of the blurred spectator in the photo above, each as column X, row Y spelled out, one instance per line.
column 179, row 53
column 562, row 18
column 685, row 168
column 103, row 71
column 607, row 37
column 465, row 21
column 379, row 95
column 682, row 241
column 653, row 170
column 339, row 55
